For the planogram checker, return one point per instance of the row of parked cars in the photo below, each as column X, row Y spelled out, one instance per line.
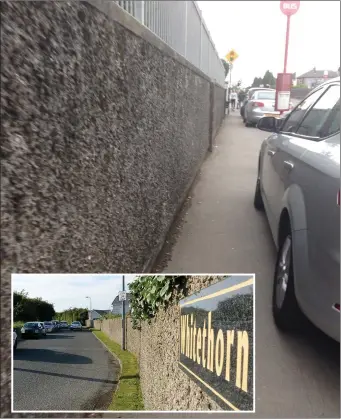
column 40, row 329
column 298, row 188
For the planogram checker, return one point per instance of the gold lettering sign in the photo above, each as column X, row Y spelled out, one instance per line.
column 216, row 341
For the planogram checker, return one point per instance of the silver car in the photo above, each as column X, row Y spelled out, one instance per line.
column 248, row 97
column 262, row 103
column 298, row 185
column 76, row 326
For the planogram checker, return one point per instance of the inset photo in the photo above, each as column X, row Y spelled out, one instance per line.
column 133, row 343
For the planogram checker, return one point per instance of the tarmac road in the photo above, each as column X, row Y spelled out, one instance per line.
column 67, row 370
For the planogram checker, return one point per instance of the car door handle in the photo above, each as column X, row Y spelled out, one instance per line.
column 271, row 152
column 288, row 164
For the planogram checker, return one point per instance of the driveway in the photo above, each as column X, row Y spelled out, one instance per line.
column 64, row 371
column 219, row 231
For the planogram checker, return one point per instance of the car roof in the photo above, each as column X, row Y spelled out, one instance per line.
column 331, row 81
column 260, row 88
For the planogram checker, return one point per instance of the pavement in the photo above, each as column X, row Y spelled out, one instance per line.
column 67, row 370
column 219, row 231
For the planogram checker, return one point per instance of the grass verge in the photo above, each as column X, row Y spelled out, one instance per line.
column 128, row 395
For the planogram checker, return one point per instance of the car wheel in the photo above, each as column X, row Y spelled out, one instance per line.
column 286, row 312
column 258, row 200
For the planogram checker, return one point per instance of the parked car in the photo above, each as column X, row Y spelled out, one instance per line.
column 262, row 103
column 15, row 340
column 48, row 326
column 298, row 185
column 55, row 325
column 248, row 96
column 76, row 326
column 43, row 328
column 64, row 325
column 31, row 329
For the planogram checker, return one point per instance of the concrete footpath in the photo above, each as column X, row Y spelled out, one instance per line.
column 219, row 231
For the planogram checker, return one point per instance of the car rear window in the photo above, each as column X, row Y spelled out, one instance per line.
column 266, row 95
column 47, row 324
column 30, row 324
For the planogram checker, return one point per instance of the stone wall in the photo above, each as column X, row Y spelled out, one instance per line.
column 103, row 132
column 103, row 129
column 164, row 385
column 218, row 108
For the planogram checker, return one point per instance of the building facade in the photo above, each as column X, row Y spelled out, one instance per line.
column 117, row 305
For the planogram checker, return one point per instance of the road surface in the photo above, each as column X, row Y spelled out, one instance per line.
column 64, row 371
column 220, row 232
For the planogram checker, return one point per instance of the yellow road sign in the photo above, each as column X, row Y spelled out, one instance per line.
column 231, row 56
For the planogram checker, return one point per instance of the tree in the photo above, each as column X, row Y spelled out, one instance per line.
column 226, row 66
column 269, row 79
column 31, row 309
column 257, row 81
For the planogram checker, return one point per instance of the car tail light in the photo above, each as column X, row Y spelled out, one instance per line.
column 338, row 198
column 258, row 104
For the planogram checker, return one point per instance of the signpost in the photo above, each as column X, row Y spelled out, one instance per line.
column 122, row 296
column 283, row 84
column 217, row 342
column 230, row 57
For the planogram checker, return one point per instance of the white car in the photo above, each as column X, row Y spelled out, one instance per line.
column 15, row 340
column 76, row 326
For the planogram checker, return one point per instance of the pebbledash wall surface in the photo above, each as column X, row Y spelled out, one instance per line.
column 164, row 385
column 104, row 128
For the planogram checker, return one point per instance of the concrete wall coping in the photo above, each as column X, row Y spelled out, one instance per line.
column 119, row 15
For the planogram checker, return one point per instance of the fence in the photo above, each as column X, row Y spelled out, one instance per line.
column 180, row 25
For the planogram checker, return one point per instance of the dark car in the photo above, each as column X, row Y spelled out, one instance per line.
column 32, row 330
column 64, row 325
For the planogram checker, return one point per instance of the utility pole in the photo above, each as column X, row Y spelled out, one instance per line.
column 90, row 311
column 123, row 317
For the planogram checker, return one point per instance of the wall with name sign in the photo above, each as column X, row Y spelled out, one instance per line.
column 173, row 377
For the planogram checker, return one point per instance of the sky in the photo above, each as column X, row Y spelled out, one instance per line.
column 256, row 31
column 69, row 290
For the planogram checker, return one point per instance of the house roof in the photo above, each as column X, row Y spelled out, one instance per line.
column 318, row 74
column 102, row 312
column 116, row 301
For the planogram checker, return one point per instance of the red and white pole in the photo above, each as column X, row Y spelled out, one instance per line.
column 283, row 84
column 286, row 44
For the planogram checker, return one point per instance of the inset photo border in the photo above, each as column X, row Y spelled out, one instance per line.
column 133, row 343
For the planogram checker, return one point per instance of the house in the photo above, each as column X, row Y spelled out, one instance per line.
column 117, row 305
column 315, row 77
column 97, row 314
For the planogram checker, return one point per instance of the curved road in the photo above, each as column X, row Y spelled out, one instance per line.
column 220, row 232
column 65, row 371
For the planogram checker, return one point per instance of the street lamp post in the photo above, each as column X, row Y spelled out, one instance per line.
column 123, row 317
column 90, row 316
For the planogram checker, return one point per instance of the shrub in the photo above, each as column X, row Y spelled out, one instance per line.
column 149, row 293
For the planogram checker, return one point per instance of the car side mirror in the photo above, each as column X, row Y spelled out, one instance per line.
column 268, row 123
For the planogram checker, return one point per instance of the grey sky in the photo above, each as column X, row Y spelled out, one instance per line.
column 70, row 290
column 256, row 30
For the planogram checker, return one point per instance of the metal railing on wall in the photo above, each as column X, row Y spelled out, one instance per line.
column 180, row 25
